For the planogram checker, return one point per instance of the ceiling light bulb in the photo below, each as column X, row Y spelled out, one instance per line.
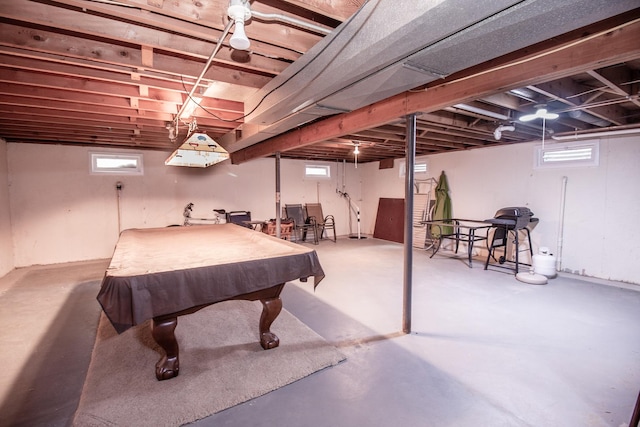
column 239, row 39
column 356, row 150
column 239, row 12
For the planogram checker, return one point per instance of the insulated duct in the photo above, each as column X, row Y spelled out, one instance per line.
column 390, row 46
column 589, row 118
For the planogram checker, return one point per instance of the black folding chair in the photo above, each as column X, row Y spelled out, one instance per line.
column 302, row 224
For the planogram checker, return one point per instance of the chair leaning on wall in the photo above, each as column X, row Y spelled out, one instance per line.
column 314, row 210
column 302, row 223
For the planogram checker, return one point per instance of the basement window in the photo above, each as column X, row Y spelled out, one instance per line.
column 317, row 171
column 572, row 155
column 116, row 164
column 419, row 169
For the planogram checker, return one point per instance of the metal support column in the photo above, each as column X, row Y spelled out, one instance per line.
column 408, row 221
column 635, row 417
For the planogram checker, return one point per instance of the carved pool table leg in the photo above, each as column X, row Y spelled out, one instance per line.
column 163, row 332
column 270, row 310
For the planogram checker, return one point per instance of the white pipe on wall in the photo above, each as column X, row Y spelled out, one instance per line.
column 563, row 194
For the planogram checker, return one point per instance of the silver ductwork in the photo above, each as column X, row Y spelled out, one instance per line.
column 290, row 20
column 390, row 46
column 589, row 118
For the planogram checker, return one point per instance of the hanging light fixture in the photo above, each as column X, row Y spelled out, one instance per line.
column 356, row 151
column 541, row 113
column 197, row 150
column 239, row 12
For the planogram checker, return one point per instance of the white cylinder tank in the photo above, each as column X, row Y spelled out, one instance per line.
column 545, row 263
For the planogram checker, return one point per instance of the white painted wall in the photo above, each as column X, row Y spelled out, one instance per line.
column 6, row 241
column 60, row 213
column 63, row 213
column 602, row 203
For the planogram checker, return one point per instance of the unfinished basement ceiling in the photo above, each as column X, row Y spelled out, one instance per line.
column 318, row 76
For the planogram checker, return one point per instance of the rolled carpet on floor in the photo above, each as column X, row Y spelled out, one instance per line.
column 221, row 365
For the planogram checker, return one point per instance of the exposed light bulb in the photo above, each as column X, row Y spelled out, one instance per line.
column 239, row 38
column 239, row 12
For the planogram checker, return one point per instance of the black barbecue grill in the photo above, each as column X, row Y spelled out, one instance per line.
column 506, row 222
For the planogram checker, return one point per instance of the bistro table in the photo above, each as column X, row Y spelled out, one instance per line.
column 458, row 229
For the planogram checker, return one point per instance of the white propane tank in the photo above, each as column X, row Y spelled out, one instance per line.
column 545, row 263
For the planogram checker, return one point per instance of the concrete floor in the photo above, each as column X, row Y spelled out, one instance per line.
column 485, row 349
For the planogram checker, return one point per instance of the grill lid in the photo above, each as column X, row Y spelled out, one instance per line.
column 513, row 217
column 513, row 213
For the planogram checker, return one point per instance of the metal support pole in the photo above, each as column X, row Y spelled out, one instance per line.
column 635, row 417
column 278, row 221
column 408, row 221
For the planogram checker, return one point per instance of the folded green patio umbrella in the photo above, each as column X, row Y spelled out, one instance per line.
column 442, row 210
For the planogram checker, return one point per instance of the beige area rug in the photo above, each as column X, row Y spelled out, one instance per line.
column 221, row 365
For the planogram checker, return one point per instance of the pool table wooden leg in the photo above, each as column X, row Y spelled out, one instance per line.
column 163, row 332
column 270, row 309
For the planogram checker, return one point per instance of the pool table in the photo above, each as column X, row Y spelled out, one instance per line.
column 163, row 273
